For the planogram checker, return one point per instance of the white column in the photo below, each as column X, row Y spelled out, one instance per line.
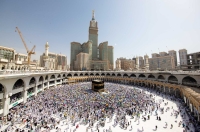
column 6, row 103
column 24, row 96
column 47, row 84
column 42, row 86
column 36, row 89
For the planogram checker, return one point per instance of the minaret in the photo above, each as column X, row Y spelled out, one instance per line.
column 46, row 49
column 137, row 63
column 46, row 58
column 146, row 60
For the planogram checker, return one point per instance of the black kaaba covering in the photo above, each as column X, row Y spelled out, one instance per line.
column 98, row 85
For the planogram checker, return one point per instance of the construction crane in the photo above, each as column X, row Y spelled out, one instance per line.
column 29, row 52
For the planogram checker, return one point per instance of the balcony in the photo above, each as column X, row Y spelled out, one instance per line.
column 3, row 60
column 18, row 62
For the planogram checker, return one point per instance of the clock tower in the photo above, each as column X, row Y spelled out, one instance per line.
column 93, row 35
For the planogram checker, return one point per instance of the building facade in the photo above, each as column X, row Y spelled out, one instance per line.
column 96, row 57
column 11, row 60
column 162, row 63
column 82, row 61
column 125, row 64
column 193, row 61
column 173, row 53
column 53, row 61
column 141, row 62
column 183, row 56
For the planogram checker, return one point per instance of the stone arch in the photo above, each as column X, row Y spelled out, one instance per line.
column 167, row 89
column 142, row 75
column 91, row 74
column 158, row 87
column 46, row 78
column 75, row 74
column 172, row 79
column 86, row 74
column 32, row 81
column 81, row 74
column 178, row 93
column 12, row 68
column 58, row 76
column 97, row 74
column 125, row 75
column 52, row 77
column 108, row 74
column 162, row 88
column 113, row 74
column 142, row 84
column 3, row 67
column 172, row 92
column 151, row 76
column 2, row 88
column 19, row 84
column 102, row 74
column 69, row 75
column 161, row 77
column 119, row 75
column 189, row 81
column 63, row 75
column 41, row 79
column 132, row 75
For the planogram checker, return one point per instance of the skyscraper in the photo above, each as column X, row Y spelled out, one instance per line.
column 94, row 56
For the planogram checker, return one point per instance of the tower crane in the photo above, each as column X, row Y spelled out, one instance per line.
column 29, row 52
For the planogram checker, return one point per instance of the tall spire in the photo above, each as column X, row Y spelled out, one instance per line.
column 93, row 15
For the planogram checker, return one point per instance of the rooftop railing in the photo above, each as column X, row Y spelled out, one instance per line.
column 24, row 72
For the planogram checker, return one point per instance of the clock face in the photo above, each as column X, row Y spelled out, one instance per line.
column 93, row 24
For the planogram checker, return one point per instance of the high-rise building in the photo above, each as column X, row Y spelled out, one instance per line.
column 183, row 56
column 173, row 53
column 141, row 62
column 96, row 57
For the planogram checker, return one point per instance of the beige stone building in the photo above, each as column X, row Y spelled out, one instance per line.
column 90, row 55
column 11, row 60
column 125, row 64
column 82, row 61
column 53, row 61
column 173, row 53
column 118, row 64
column 183, row 56
column 141, row 62
column 161, row 61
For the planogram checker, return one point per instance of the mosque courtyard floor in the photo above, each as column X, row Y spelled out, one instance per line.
column 139, row 125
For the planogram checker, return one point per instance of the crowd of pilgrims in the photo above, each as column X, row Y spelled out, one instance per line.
column 57, row 108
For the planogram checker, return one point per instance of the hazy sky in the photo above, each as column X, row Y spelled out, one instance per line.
column 133, row 27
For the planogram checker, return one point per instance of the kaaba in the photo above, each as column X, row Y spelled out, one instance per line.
column 98, row 85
